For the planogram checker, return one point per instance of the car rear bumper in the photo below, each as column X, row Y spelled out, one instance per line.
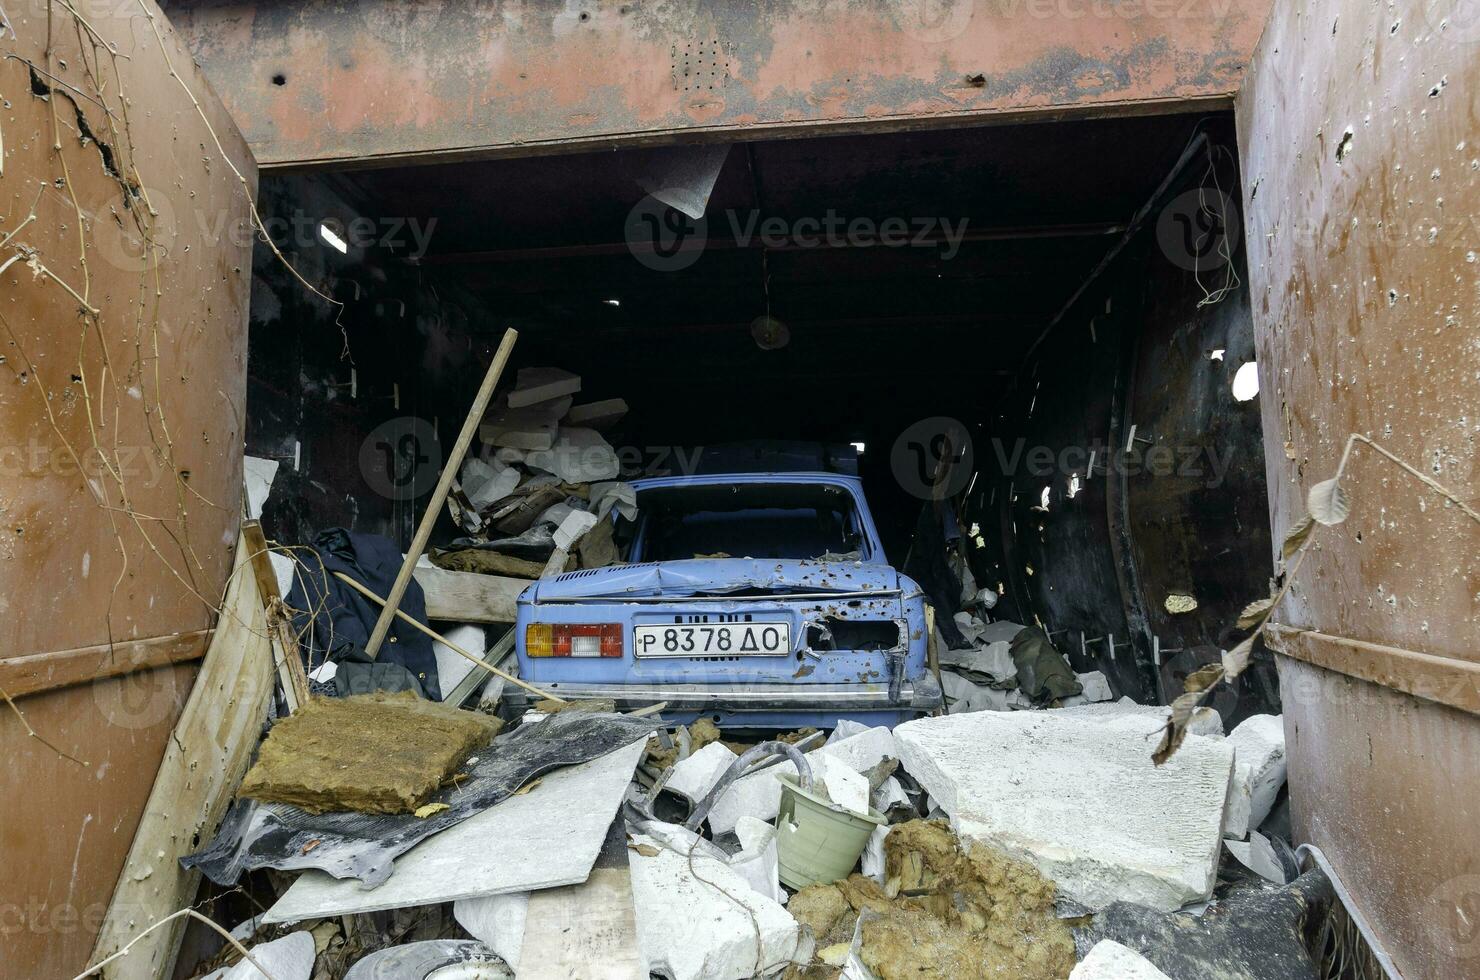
column 920, row 695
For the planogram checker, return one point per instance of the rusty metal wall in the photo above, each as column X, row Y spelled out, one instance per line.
column 1361, row 182
column 123, row 298
column 381, row 80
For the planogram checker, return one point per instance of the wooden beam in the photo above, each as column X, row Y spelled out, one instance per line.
column 203, row 764
column 1445, row 680
column 469, row 597
column 39, row 672
column 292, row 680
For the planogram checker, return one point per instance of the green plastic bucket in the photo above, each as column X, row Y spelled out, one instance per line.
column 818, row 843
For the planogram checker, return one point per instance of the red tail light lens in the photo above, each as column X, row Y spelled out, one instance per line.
column 573, row 639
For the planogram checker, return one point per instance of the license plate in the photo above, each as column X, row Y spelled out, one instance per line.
column 713, row 640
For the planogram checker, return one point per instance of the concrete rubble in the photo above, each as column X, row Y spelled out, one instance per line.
column 1258, row 773
column 1080, row 799
column 1109, row 960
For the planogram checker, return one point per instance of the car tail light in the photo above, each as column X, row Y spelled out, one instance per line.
column 573, row 639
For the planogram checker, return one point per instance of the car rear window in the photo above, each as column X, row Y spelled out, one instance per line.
column 747, row 520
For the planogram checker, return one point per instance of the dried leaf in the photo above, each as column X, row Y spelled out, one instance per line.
column 426, row 811
column 1194, row 689
column 1254, row 612
column 1295, row 537
column 1328, row 502
column 1235, row 660
column 527, row 787
column 646, row 850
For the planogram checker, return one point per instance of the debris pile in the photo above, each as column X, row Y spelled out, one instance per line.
column 1003, row 666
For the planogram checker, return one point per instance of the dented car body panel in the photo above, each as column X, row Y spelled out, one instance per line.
column 757, row 641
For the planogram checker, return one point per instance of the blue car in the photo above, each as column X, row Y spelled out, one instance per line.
column 761, row 600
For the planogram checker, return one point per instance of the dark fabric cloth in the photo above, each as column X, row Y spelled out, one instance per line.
column 334, row 621
column 1043, row 673
column 927, row 564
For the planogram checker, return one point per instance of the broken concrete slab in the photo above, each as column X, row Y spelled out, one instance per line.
column 1259, row 772
column 1111, row 961
column 542, row 384
column 1080, row 798
column 597, row 415
column 695, row 776
column 547, row 837
column 288, row 958
column 699, row 919
column 577, row 456
column 1205, row 721
column 846, row 728
column 759, row 794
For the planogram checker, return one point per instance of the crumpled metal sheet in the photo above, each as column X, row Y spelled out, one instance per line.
column 359, row 845
column 719, row 575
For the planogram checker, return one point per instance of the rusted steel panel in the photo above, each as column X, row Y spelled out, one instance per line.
column 380, row 80
column 123, row 302
column 1357, row 127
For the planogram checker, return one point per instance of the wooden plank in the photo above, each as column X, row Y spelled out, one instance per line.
column 468, row 597
column 439, row 494
column 203, row 764
column 292, row 680
column 21, row 676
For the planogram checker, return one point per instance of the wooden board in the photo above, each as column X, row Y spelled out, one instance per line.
column 203, row 764
column 468, row 597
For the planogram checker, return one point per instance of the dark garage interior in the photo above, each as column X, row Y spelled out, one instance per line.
column 1062, row 290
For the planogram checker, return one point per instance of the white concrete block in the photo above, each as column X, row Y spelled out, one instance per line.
column 846, row 728
column 1259, row 772
column 1205, row 721
column 543, row 384
column 1096, row 687
column 1109, row 960
column 452, row 666
column 598, row 415
column 757, row 860
column 1079, row 798
column 759, row 794
column 695, row 776
column 577, row 456
column 840, row 784
column 547, row 837
column 523, row 429
column 702, row 924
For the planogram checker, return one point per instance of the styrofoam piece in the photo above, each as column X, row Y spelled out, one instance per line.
column 452, row 666
column 496, row 921
column 839, row 783
column 1259, row 772
column 525, row 429
column 575, row 524
column 695, row 776
column 577, row 456
column 547, row 837
column 757, row 860
column 257, row 474
column 597, row 415
column 846, row 728
column 1258, row 855
column 1205, row 721
column 963, row 695
column 1081, row 799
column 288, row 958
column 889, row 793
column 1109, row 960
column 543, row 384
column 486, row 482
column 698, row 919
column 759, row 794
column 873, row 854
